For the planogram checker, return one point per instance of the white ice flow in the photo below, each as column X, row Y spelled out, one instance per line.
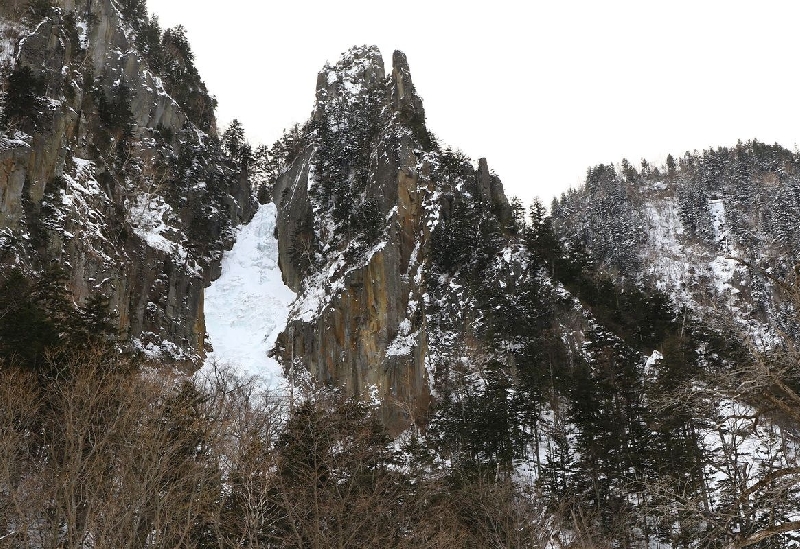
column 247, row 306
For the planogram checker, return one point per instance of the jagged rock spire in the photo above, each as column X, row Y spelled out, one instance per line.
column 360, row 68
column 491, row 190
column 404, row 96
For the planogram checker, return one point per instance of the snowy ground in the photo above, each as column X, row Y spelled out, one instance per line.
column 246, row 308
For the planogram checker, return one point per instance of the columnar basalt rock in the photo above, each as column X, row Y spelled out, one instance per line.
column 405, row 101
column 112, row 182
column 359, row 321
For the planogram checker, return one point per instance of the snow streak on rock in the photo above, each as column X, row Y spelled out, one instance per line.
column 246, row 308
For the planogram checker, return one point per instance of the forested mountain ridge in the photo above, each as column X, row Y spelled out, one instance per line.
column 716, row 230
column 620, row 372
column 711, row 235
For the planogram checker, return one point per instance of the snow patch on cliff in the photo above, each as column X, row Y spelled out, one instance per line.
column 705, row 278
column 247, row 307
column 9, row 38
column 148, row 216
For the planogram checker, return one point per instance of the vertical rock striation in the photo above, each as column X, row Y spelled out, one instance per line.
column 109, row 179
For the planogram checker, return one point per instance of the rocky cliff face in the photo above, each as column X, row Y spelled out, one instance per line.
column 105, row 175
column 357, row 204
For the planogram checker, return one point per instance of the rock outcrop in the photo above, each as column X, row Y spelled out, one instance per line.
column 357, row 206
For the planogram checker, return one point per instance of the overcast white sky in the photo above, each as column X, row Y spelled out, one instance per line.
column 543, row 90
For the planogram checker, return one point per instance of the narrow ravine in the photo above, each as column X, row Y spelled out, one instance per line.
column 246, row 308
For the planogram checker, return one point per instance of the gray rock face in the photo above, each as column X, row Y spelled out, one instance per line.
column 407, row 104
column 139, row 211
column 361, row 68
column 491, row 190
column 295, row 217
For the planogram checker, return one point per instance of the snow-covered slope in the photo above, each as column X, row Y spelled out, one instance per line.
column 246, row 308
column 717, row 231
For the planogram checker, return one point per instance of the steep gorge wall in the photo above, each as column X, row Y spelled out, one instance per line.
column 111, row 181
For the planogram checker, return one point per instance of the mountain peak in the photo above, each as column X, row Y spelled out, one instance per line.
column 359, row 68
